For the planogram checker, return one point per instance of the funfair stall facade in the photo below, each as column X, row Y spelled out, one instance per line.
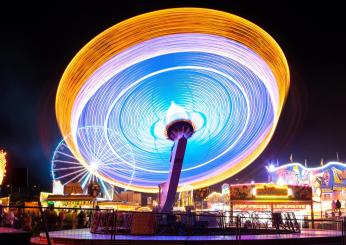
column 328, row 183
column 263, row 197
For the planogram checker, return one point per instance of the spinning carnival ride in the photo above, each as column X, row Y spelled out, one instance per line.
column 224, row 74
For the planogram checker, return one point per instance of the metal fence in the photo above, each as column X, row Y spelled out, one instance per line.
column 85, row 224
column 316, row 231
column 42, row 222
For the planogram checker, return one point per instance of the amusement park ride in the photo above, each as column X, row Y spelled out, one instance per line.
column 116, row 110
column 116, row 113
column 179, row 131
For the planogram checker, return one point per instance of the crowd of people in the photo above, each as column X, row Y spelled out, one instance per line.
column 336, row 208
column 19, row 219
column 56, row 219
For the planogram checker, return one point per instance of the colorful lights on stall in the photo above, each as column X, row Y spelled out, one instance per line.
column 3, row 163
column 330, row 175
column 272, row 192
column 229, row 76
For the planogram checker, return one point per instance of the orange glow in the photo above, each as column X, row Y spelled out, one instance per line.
column 156, row 24
column 2, row 165
column 269, row 191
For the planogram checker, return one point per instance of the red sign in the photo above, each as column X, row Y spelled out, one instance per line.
column 247, row 206
column 289, row 206
column 258, row 206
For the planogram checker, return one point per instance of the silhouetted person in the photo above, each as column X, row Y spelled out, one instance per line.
column 62, row 216
column 81, row 219
column 27, row 222
column 333, row 207
column 74, row 219
column 338, row 205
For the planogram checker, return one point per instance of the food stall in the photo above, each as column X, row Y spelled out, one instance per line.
column 271, row 197
column 72, row 201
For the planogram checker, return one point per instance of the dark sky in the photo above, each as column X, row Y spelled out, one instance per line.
column 38, row 41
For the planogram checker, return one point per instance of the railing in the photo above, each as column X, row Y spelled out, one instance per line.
column 286, row 224
column 81, row 222
column 41, row 221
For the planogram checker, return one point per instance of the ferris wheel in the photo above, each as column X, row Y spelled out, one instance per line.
column 99, row 164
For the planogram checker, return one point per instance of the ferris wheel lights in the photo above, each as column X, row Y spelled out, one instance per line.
column 94, row 166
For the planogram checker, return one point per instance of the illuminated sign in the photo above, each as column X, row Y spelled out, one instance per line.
column 289, row 206
column 271, row 191
column 331, row 175
column 246, row 206
column 258, row 206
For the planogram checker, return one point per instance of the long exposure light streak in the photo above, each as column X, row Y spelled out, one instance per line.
column 228, row 74
column 66, row 168
column 3, row 163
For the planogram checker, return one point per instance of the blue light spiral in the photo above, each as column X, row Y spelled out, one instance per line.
column 227, row 90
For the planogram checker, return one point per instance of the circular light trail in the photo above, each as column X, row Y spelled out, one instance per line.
column 67, row 168
column 229, row 76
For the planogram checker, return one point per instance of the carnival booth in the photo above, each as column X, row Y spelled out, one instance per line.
column 271, row 197
column 328, row 182
column 214, row 202
column 72, row 197
column 72, row 201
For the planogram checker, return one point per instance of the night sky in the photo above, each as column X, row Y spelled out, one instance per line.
column 38, row 41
